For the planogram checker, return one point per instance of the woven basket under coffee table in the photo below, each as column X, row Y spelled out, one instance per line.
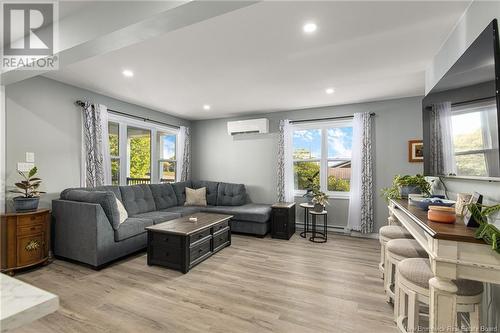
column 318, row 236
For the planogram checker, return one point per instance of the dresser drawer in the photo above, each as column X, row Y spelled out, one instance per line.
column 220, row 226
column 221, row 238
column 31, row 219
column 165, row 254
column 29, row 229
column 30, row 249
column 199, row 235
column 199, row 250
column 166, row 240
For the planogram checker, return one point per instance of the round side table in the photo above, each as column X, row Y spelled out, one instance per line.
column 306, row 207
column 318, row 236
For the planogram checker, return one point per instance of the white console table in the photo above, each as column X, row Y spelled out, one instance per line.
column 22, row 303
column 454, row 253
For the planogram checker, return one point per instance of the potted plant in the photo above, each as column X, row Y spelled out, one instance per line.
column 486, row 231
column 320, row 200
column 28, row 187
column 311, row 187
column 402, row 186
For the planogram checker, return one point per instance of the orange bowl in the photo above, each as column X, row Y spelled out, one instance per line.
column 441, row 214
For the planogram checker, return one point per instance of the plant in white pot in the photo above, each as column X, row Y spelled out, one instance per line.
column 320, row 200
column 28, row 187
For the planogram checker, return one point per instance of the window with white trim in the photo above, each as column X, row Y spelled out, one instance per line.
column 141, row 152
column 322, row 153
column 475, row 138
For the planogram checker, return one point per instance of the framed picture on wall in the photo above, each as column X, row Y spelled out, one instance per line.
column 415, row 151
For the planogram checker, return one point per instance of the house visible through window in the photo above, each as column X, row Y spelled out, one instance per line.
column 141, row 153
column 322, row 154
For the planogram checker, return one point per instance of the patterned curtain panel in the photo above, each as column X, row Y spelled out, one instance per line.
column 285, row 167
column 361, row 199
column 184, row 164
column 96, row 168
column 442, row 153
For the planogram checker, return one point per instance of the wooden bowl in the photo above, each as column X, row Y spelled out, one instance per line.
column 441, row 214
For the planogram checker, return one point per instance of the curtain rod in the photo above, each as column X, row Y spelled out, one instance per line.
column 473, row 101
column 81, row 103
column 323, row 119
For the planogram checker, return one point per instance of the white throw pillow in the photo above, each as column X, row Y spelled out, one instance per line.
column 196, row 197
column 121, row 211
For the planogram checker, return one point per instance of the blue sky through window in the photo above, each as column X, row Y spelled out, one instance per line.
column 340, row 142
column 168, row 143
column 307, row 143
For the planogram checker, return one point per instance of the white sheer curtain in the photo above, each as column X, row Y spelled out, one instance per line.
column 183, row 154
column 285, row 162
column 96, row 162
column 361, row 197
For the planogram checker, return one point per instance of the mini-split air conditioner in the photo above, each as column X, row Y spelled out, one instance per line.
column 260, row 126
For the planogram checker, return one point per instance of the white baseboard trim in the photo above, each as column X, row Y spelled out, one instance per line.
column 340, row 229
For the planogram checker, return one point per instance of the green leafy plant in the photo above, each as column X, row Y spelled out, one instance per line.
column 486, row 231
column 320, row 198
column 311, row 185
column 394, row 191
column 28, row 187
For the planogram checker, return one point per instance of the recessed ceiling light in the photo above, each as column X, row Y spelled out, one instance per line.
column 206, row 107
column 329, row 91
column 128, row 73
column 309, row 27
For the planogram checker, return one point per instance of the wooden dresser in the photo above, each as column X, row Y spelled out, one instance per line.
column 25, row 240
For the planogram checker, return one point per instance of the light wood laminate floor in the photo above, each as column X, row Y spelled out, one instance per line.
column 256, row 285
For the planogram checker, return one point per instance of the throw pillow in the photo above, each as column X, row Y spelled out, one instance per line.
column 122, row 212
column 196, row 197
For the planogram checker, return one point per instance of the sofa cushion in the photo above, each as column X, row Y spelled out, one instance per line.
column 196, row 197
column 157, row 216
column 137, row 199
column 163, row 195
column 212, row 188
column 231, row 194
column 252, row 212
column 132, row 227
column 180, row 191
column 183, row 210
column 107, row 200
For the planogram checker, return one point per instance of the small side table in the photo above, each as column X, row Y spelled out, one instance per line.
column 25, row 240
column 283, row 220
column 317, row 236
column 306, row 207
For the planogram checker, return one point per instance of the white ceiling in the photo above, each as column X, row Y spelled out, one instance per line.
column 257, row 59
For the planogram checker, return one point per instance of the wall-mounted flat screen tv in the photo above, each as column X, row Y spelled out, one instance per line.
column 461, row 114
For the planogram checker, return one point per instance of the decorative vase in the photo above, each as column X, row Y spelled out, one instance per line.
column 22, row 204
column 318, row 208
column 405, row 190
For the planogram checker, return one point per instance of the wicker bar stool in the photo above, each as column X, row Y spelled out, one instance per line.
column 395, row 251
column 412, row 290
column 387, row 233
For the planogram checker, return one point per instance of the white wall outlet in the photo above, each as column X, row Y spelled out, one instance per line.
column 25, row 167
column 30, row 157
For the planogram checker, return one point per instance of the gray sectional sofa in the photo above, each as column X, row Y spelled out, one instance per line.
column 87, row 226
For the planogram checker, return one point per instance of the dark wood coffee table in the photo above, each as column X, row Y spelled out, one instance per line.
column 181, row 244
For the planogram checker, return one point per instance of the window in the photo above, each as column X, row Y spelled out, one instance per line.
column 141, row 153
column 114, row 151
column 138, row 155
column 167, row 147
column 475, row 138
column 322, row 155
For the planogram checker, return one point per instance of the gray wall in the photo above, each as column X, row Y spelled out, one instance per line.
column 252, row 159
column 42, row 117
column 476, row 18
